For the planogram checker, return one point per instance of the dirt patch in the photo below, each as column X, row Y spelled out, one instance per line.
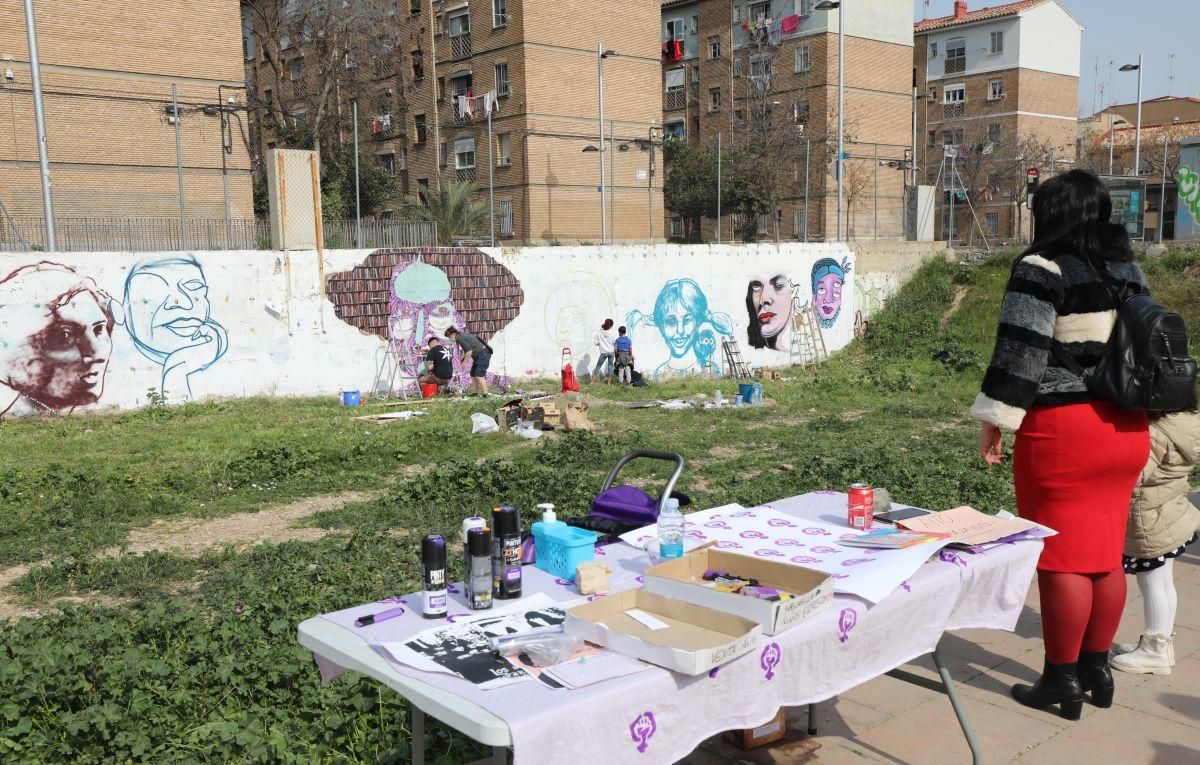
column 724, row 453
column 9, row 609
column 960, row 293
column 191, row 537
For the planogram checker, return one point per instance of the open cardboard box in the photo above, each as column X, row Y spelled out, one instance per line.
column 683, row 578
column 694, row 641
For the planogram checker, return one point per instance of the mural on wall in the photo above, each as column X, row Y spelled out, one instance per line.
column 1189, row 191
column 575, row 306
column 406, row 296
column 689, row 328
column 57, row 339
column 168, row 315
column 770, row 308
column 828, row 278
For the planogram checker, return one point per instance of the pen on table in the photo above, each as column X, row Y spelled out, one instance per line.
column 369, row 619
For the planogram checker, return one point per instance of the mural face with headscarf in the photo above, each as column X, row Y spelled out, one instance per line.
column 420, row 308
column 828, row 279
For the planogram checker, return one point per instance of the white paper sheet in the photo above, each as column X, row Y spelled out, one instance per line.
column 771, row 532
column 596, row 668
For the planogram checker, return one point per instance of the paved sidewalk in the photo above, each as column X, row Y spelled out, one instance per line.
column 1154, row 720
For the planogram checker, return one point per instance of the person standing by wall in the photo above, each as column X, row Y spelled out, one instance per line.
column 604, row 341
column 624, row 349
column 1076, row 459
column 477, row 354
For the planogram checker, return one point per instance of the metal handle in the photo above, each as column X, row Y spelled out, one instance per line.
column 643, row 453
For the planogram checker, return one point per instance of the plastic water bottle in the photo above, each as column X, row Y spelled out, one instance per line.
column 671, row 526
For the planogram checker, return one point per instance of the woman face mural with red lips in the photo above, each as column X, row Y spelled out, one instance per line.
column 769, row 304
column 62, row 331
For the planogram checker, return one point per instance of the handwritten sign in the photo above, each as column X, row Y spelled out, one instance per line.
column 969, row 526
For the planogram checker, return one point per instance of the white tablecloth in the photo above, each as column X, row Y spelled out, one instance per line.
column 659, row 716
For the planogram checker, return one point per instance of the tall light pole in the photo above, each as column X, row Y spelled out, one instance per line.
column 1137, row 135
column 39, row 116
column 828, row 5
column 601, row 54
column 1112, row 121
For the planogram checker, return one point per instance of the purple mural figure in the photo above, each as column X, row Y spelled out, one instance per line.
column 824, row 550
column 642, row 729
column 781, row 523
column 769, row 659
column 828, row 278
column 802, row 559
column 786, row 542
column 688, row 328
column 768, row 553
column 752, row 535
column 725, row 544
column 856, row 561
column 954, row 558
column 846, row 621
column 58, row 331
column 770, row 302
column 814, row 531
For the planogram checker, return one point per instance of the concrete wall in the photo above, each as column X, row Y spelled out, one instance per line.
column 101, row 330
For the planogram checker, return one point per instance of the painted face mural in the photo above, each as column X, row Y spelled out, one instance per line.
column 769, row 305
column 688, row 328
column 55, row 353
column 421, row 309
column 169, row 317
column 574, row 306
column 828, row 279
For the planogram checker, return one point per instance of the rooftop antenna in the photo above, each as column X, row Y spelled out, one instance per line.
column 1170, row 75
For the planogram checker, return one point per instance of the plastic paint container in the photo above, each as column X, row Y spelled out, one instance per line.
column 351, row 398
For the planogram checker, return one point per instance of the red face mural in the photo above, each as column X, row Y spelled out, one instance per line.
column 54, row 351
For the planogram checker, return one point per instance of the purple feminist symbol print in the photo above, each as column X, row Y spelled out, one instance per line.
column 952, row 557
column 769, row 659
column 816, row 532
column 781, row 522
column 642, row 729
column 727, row 545
column 846, row 622
column 752, row 535
column 760, row 552
column 824, row 550
column 695, row 534
column 717, row 525
column 787, row 542
column 805, row 559
column 856, row 561
column 742, row 514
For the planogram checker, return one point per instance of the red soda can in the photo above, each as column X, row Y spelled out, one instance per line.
column 861, row 514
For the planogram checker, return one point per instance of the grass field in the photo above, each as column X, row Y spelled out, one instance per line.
column 163, row 657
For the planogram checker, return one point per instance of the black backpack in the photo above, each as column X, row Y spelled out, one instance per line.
column 1145, row 366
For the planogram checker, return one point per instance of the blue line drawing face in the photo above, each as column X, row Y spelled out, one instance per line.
column 828, row 279
column 169, row 317
column 687, row 326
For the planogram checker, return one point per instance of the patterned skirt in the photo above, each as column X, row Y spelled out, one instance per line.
column 1142, row 565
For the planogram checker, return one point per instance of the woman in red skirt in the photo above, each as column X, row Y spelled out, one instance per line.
column 1076, row 460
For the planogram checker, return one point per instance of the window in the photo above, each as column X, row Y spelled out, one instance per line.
column 956, row 56
column 674, row 29
column 441, row 88
column 418, row 64
column 993, row 183
column 695, row 69
column 714, row 99
column 714, row 46
column 933, row 50
column 383, row 105
column 249, row 44
column 803, row 57
column 464, row 154
column 676, row 225
column 760, row 65
column 295, row 70
column 952, row 137
column 759, row 11
column 993, row 132
column 932, row 138
column 414, row 6
column 389, row 163
column 499, row 14
column 443, row 154
column 931, row 94
column 404, row 158
column 995, row 89
column 997, row 43
column 422, row 188
column 502, row 87
column 993, row 223
column 800, row 112
column 954, row 94
column 694, row 26
column 737, row 67
column 461, row 83
column 269, row 96
column 675, row 130
column 504, row 142
column 460, row 24
column 738, row 16
column 805, row 7
column 506, row 216
column 419, row 124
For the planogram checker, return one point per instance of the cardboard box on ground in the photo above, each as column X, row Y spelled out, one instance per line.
column 558, row 413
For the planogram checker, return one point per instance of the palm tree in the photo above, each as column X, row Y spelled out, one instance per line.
column 452, row 209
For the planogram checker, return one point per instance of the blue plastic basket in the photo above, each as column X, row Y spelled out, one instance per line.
column 561, row 549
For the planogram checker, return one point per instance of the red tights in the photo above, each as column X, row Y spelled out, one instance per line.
column 1080, row 612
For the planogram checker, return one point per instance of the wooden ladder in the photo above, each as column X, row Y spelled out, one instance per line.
column 734, row 365
column 808, row 341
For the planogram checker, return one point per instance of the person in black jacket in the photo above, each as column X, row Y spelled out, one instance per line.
column 1076, row 460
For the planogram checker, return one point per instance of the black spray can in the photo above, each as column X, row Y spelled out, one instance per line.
column 506, row 553
column 478, row 573
column 433, row 577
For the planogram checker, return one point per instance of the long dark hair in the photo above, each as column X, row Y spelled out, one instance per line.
column 754, row 333
column 1072, row 213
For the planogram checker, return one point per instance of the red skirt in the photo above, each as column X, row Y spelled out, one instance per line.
column 1075, row 469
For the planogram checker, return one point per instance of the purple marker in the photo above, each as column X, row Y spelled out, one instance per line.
column 369, row 619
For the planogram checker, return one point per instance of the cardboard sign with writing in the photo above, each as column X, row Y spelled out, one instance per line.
column 968, row 526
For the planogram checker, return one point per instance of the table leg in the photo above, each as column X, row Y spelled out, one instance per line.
column 959, row 711
column 418, row 736
column 812, row 719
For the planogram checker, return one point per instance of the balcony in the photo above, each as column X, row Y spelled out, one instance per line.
column 954, row 111
column 955, row 64
column 465, row 175
column 460, row 46
column 675, row 100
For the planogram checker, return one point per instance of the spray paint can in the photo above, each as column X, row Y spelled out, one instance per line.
column 478, row 572
column 474, row 522
column 506, row 553
column 433, row 577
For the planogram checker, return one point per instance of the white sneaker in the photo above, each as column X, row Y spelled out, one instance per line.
column 1151, row 657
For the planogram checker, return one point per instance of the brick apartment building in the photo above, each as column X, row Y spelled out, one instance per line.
column 107, row 70
column 994, row 80
column 725, row 62
column 540, row 58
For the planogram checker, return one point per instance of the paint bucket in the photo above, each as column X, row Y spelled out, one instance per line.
column 351, row 398
column 428, row 390
column 746, row 390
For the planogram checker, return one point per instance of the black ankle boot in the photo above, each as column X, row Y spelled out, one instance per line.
column 1059, row 684
column 1095, row 676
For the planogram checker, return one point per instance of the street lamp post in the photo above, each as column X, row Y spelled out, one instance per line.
column 1137, row 135
column 601, row 54
column 39, row 118
column 828, row 5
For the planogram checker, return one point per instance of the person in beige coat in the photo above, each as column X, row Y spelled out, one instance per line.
column 1163, row 521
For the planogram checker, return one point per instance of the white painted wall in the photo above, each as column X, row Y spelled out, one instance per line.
column 883, row 20
column 1051, row 40
column 978, row 40
column 234, row 324
column 1044, row 38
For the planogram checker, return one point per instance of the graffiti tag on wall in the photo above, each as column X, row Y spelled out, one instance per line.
column 1189, row 191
